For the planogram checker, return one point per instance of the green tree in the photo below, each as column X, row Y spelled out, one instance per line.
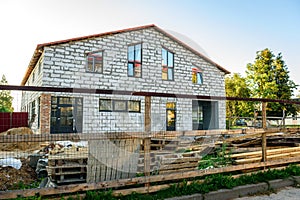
column 268, row 77
column 5, row 98
column 236, row 86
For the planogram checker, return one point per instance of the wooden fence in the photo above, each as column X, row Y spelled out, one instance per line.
column 137, row 144
column 144, row 161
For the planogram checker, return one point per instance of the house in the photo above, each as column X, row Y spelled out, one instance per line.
column 141, row 59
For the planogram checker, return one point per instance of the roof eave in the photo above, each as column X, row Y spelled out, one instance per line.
column 191, row 49
column 34, row 59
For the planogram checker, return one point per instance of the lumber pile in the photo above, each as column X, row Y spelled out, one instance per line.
column 272, row 154
column 159, row 147
column 174, row 155
column 248, row 148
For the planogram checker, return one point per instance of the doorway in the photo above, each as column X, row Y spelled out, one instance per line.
column 205, row 115
column 171, row 116
column 66, row 115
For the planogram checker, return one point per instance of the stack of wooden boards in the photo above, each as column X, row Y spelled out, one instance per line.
column 68, row 165
column 248, row 148
column 272, row 154
column 169, row 155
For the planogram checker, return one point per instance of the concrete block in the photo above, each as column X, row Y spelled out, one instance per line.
column 246, row 190
column 189, row 197
column 281, row 183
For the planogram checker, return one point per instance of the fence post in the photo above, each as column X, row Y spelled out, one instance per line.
column 264, row 137
column 147, row 138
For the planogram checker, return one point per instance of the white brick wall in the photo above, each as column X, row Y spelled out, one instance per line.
column 64, row 66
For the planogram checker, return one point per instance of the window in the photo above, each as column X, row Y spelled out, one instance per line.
column 32, row 119
column 197, row 77
column 39, row 111
column 167, row 65
column 40, row 67
column 135, row 60
column 197, row 115
column 134, row 106
column 95, row 62
column 109, row 105
column 105, row 105
column 33, row 108
column 120, row 105
column 33, row 76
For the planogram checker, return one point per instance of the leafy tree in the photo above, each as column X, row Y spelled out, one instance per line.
column 236, row 86
column 5, row 98
column 268, row 77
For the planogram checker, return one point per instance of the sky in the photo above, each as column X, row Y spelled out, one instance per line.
column 229, row 31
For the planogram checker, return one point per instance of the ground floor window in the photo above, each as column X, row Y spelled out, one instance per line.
column 114, row 105
column 66, row 115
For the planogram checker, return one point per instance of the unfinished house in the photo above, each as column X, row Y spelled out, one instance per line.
column 140, row 59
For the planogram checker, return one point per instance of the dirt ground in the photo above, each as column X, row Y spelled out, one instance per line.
column 11, row 178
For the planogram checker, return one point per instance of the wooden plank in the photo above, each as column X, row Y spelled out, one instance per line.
column 264, row 147
column 179, row 160
column 67, row 166
column 131, row 135
column 252, row 135
column 269, row 152
column 277, row 156
column 170, row 171
column 246, row 144
column 147, row 141
column 178, row 166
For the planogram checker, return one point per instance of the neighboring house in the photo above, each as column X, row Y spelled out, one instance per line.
column 294, row 119
column 146, row 59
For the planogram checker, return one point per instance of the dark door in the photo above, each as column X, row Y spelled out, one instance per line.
column 66, row 115
column 204, row 115
column 171, row 116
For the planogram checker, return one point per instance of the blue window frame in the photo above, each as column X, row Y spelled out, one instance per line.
column 134, row 60
column 167, row 64
column 197, row 76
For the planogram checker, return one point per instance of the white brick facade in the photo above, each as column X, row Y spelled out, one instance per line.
column 64, row 65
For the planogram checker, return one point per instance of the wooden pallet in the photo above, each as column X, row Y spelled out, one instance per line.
column 69, row 166
column 160, row 144
column 67, row 173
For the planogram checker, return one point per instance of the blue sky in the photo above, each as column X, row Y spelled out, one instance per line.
column 230, row 31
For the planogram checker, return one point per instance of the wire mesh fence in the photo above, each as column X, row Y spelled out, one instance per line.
column 92, row 136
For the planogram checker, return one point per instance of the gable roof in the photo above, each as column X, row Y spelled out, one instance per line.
column 40, row 47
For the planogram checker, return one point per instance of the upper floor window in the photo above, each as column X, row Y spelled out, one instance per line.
column 40, row 67
column 167, row 65
column 197, row 77
column 33, row 76
column 95, row 62
column 135, row 60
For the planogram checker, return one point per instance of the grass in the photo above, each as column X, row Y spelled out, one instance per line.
column 208, row 184
column 215, row 160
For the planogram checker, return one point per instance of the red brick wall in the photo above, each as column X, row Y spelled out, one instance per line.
column 45, row 113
